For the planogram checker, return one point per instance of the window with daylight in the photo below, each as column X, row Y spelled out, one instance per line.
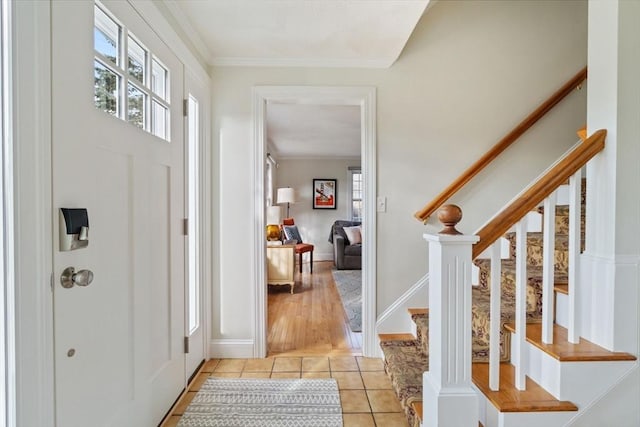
column 129, row 81
column 355, row 193
column 7, row 198
column 269, row 180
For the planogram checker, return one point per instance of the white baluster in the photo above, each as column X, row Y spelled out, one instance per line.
column 575, row 190
column 548, row 267
column 521, row 303
column 494, row 331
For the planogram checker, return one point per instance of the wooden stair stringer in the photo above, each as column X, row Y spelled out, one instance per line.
column 581, row 372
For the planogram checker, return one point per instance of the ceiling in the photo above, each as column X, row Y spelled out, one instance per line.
column 307, row 130
column 318, row 33
column 301, row 33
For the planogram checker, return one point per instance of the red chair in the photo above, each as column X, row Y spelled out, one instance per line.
column 301, row 247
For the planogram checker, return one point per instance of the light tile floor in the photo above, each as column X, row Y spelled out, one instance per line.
column 365, row 390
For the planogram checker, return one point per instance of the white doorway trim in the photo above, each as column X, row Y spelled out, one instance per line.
column 365, row 97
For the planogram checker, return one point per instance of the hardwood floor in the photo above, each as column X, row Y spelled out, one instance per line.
column 312, row 321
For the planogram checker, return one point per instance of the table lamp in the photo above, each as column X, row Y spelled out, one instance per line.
column 286, row 195
column 273, row 223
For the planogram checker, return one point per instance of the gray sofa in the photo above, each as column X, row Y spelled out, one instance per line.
column 345, row 255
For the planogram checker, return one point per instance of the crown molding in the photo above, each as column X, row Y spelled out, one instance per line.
column 187, row 27
column 302, row 62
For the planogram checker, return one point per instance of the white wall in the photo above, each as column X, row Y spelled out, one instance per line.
column 470, row 72
column 315, row 224
column 612, row 253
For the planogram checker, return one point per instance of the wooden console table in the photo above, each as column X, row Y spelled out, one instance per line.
column 281, row 265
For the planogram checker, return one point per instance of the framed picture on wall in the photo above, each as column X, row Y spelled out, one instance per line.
column 325, row 195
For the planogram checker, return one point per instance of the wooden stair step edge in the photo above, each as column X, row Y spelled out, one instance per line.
column 509, row 399
column 418, row 311
column 564, row 351
column 417, row 408
column 561, row 288
column 396, row 337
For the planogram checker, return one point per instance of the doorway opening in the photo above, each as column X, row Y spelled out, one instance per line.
column 363, row 98
column 313, row 191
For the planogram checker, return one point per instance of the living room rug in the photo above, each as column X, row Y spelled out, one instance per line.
column 224, row 402
column 349, row 284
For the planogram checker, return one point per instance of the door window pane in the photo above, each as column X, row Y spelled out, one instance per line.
column 137, row 60
column 137, row 101
column 159, row 120
column 106, row 36
column 129, row 81
column 159, row 79
column 106, row 84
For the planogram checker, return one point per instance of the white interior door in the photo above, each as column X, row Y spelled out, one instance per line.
column 195, row 135
column 119, row 357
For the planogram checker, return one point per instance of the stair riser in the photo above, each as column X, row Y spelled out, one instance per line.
column 422, row 333
column 579, row 382
column 490, row 416
column 562, row 310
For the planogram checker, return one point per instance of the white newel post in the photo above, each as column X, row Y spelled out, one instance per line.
column 448, row 397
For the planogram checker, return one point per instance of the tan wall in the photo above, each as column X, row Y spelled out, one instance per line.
column 470, row 72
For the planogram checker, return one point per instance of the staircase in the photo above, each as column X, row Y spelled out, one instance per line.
column 557, row 384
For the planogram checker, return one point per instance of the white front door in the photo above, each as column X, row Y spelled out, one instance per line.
column 119, row 356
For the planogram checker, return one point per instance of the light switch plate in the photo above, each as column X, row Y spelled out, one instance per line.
column 381, row 204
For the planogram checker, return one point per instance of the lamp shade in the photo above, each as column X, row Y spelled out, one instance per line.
column 286, row 195
column 273, row 214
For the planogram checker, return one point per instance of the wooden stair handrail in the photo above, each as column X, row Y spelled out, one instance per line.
column 541, row 189
column 503, row 144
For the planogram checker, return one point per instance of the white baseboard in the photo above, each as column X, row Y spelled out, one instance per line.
column 231, row 348
column 395, row 318
column 321, row 256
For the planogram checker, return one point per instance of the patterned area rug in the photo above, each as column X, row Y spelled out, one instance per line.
column 223, row 402
column 349, row 284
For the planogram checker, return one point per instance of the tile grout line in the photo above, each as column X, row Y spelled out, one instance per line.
column 300, row 372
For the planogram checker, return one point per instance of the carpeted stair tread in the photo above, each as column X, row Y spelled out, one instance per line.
column 562, row 218
column 564, row 351
column 418, row 311
column 405, row 364
column 480, row 318
column 561, row 210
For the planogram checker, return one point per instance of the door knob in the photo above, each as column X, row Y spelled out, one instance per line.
column 70, row 277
